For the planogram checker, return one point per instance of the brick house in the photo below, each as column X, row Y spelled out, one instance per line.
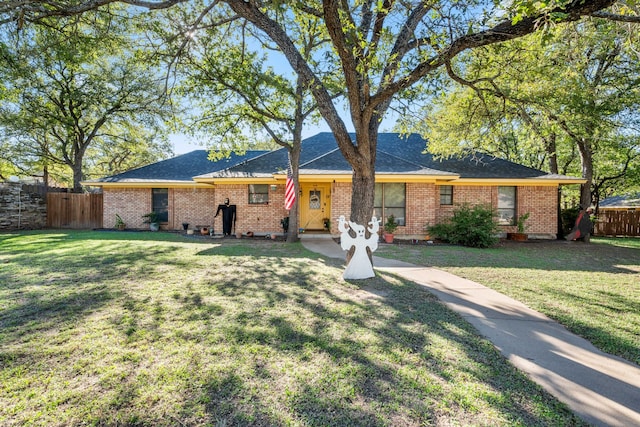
column 413, row 186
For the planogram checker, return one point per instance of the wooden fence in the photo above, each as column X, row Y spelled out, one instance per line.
column 618, row 223
column 72, row 210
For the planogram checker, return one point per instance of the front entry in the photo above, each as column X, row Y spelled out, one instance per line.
column 315, row 205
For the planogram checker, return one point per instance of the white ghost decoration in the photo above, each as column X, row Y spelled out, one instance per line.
column 359, row 266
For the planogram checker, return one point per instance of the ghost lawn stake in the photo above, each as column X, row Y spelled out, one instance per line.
column 360, row 266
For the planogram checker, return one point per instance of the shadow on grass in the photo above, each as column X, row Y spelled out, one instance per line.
column 378, row 340
column 101, row 234
column 615, row 308
column 262, row 333
column 53, row 279
column 602, row 255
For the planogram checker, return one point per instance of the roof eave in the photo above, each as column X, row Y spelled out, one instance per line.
column 346, row 176
column 236, row 180
column 146, row 184
column 539, row 181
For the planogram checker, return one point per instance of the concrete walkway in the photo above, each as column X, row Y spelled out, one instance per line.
column 602, row 389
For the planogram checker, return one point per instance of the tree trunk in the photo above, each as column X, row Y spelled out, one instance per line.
column 553, row 153
column 292, row 233
column 77, row 177
column 362, row 192
column 586, row 159
column 363, row 179
column 45, row 178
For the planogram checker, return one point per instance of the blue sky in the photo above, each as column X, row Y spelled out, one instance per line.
column 184, row 144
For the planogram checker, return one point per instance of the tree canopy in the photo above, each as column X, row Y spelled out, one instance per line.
column 236, row 96
column 382, row 49
column 77, row 97
column 567, row 101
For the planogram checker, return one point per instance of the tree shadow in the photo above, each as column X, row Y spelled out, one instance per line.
column 405, row 323
column 311, row 349
column 548, row 255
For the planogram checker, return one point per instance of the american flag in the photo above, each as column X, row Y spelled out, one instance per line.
column 290, row 189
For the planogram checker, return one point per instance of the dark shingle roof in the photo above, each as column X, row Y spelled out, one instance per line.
column 624, row 201
column 320, row 155
column 180, row 168
column 412, row 148
column 262, row 166
column 405, row 154
column 334, row 162
column 396, row 154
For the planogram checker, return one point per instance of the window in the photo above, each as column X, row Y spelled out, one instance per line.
column 446, row 194
column 160, row 203
column 315, row 202
column 258, row 194
column 390, row 199
column 506, row 205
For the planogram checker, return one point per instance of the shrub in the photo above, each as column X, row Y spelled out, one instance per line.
column 568, row 217
column 391, row 225
column 473, row 226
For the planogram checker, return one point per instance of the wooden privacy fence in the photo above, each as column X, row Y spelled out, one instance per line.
column 618, row 223
column 71, row 210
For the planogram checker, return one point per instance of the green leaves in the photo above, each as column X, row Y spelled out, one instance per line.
column 564, row 106
column 473, row 226
column 78, row 93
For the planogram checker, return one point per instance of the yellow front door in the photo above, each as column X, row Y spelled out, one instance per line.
column 315, row 205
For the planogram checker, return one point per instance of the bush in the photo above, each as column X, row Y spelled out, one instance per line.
column 569, row 217
column 473, row 226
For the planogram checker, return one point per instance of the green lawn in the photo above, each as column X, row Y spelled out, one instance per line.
column 124, row 328
column 593, row 289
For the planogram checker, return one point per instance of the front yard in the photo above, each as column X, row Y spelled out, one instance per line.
column 593, row 289
column 119, row 328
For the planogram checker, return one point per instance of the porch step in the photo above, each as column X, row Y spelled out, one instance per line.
column 312, row 236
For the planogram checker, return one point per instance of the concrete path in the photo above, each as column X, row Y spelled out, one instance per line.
column 602, row 389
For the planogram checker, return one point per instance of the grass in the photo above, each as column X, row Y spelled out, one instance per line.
column 593, row 289
column 156, row 329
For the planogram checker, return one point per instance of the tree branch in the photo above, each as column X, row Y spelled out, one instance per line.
column 616, row 17
column 501, row 32
column 297, row 62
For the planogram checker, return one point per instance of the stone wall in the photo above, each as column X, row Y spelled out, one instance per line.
column 21, row 210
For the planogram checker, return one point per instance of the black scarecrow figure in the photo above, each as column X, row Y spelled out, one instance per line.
column 228, row 217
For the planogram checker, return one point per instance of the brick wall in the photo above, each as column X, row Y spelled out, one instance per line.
column 465, row 194
column 421, row 208
column 129, row 203
column 542, row 204
column 540, row 201
column 197, row 206
column 340, row 203
column 258, row 218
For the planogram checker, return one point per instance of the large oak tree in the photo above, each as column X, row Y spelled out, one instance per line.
column 570, row 98
column 78, row 98
column 383, row 49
